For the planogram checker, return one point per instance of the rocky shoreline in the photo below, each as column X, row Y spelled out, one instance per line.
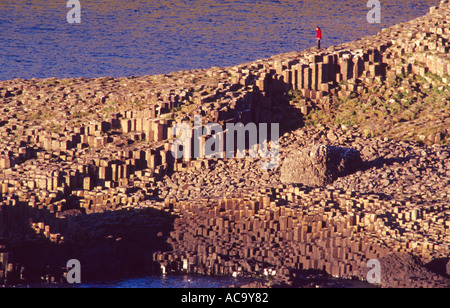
column 86, row 170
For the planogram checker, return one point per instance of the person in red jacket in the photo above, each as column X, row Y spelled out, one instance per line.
column 318, row 36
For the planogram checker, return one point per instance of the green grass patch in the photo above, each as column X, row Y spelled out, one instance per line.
column 294, row 95
column 81, row 114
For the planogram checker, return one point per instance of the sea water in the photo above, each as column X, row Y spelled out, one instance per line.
column 144, row 37
column 155, row 281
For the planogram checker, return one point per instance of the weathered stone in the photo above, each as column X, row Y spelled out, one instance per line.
column 319, row 165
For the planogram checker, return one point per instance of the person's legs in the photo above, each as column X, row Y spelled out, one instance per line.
column 318, row 44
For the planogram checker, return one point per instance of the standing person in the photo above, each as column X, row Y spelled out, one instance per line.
column 318, row 36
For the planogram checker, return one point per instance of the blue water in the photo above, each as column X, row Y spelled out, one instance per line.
column 142, row 37
column 167, row 282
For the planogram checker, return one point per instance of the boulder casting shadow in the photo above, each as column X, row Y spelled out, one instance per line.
column 319, row 165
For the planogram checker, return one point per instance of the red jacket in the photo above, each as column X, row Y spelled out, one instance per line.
column 319, row 34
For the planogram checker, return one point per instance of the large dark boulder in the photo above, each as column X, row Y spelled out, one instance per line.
column 319, row 165
column 402, row 270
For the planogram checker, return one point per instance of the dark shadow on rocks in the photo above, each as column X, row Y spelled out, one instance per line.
column 121, row 244
column 382, row 162
column 440, row 266
column 312, row 278
column 110, row 245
